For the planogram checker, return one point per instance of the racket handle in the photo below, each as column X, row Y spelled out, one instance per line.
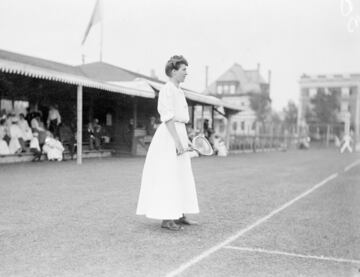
column 189, row 149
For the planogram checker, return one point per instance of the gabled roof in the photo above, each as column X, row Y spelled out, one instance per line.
column 254, row 76
column 108, row 72
column 249, row 80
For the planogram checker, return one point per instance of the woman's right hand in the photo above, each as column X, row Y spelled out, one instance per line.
column 179, row 148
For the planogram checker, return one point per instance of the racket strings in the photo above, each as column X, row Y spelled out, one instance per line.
column 202, row 145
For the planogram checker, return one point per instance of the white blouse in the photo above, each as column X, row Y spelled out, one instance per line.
column 172, row 104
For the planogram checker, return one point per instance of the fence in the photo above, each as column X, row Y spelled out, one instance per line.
column 258, row 143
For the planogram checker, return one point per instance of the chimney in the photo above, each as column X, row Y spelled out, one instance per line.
column 206, row 76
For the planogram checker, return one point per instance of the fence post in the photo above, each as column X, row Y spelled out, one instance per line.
column 79, row 124
column 327, row 135
column 228, row 129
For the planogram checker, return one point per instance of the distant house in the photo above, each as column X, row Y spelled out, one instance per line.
column 236, row 86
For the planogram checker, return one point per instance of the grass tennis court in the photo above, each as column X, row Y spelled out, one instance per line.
column 293, row 213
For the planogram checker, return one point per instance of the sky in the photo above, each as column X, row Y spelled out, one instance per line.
column 288, row 37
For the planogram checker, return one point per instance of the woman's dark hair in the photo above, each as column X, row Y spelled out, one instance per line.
column 174, row 63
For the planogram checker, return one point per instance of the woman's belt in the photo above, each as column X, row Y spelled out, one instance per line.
column 181, row 121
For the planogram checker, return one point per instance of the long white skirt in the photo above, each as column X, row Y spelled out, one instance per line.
column 4, row 148
column 167, row 185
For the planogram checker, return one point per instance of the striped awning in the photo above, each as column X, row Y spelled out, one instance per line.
column 43, row 69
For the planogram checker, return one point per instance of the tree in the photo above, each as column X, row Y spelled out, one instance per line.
column 290, row 115
column 260, row 104
column 325, row 107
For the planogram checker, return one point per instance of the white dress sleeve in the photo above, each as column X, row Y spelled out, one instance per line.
column 166, row 104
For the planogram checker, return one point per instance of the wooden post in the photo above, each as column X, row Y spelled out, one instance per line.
column 134, row 142
column 91, row 108
column 357, row 119
column 228, row 129
column 193, row 116
column 202, row 119
column 79, row 114
column 300, row 113
column 212, row 118
column 328, row 135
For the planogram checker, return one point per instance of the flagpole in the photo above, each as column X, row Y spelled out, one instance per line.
column 101, row 40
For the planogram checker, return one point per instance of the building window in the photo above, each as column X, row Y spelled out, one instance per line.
column 345, row 92
column 226, row 89
column 219, row 89
column 344, row 106
column 234, row 126
column 242, row 125
column 305, row 93
column 232, row 89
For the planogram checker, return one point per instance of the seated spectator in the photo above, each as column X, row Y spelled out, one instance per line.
column 8, row 121
column 67, row 138
column 53, row 121
column 191, row 132
column 35, row 147
column 206, row 129
column 3, row 114
column 33, row 113
column 38, row 126
column 4, row 148
column 25, row 129
column 304, row 142
column 219, row 145
column 151, row 126
column 53, row 148
column 95, row 133
column 16, row 144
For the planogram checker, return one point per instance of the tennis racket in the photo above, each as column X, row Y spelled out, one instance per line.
column 201, row 145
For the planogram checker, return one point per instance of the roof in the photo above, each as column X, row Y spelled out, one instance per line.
column 39, row 62
column 97, row 75
column 112, row 73
column 254, row 76
column 334, row 76
column 108, row 72
column 44, row 69
column 249, row 80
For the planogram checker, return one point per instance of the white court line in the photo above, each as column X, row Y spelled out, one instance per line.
column 275, row 252
column 352, row 165
column 215, row 248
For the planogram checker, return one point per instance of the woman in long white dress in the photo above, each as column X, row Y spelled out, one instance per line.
column 167, row 186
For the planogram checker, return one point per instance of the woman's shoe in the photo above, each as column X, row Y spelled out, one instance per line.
column 171, row 225
column 184, row 221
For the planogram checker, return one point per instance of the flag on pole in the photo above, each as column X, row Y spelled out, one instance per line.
column 96, row 17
